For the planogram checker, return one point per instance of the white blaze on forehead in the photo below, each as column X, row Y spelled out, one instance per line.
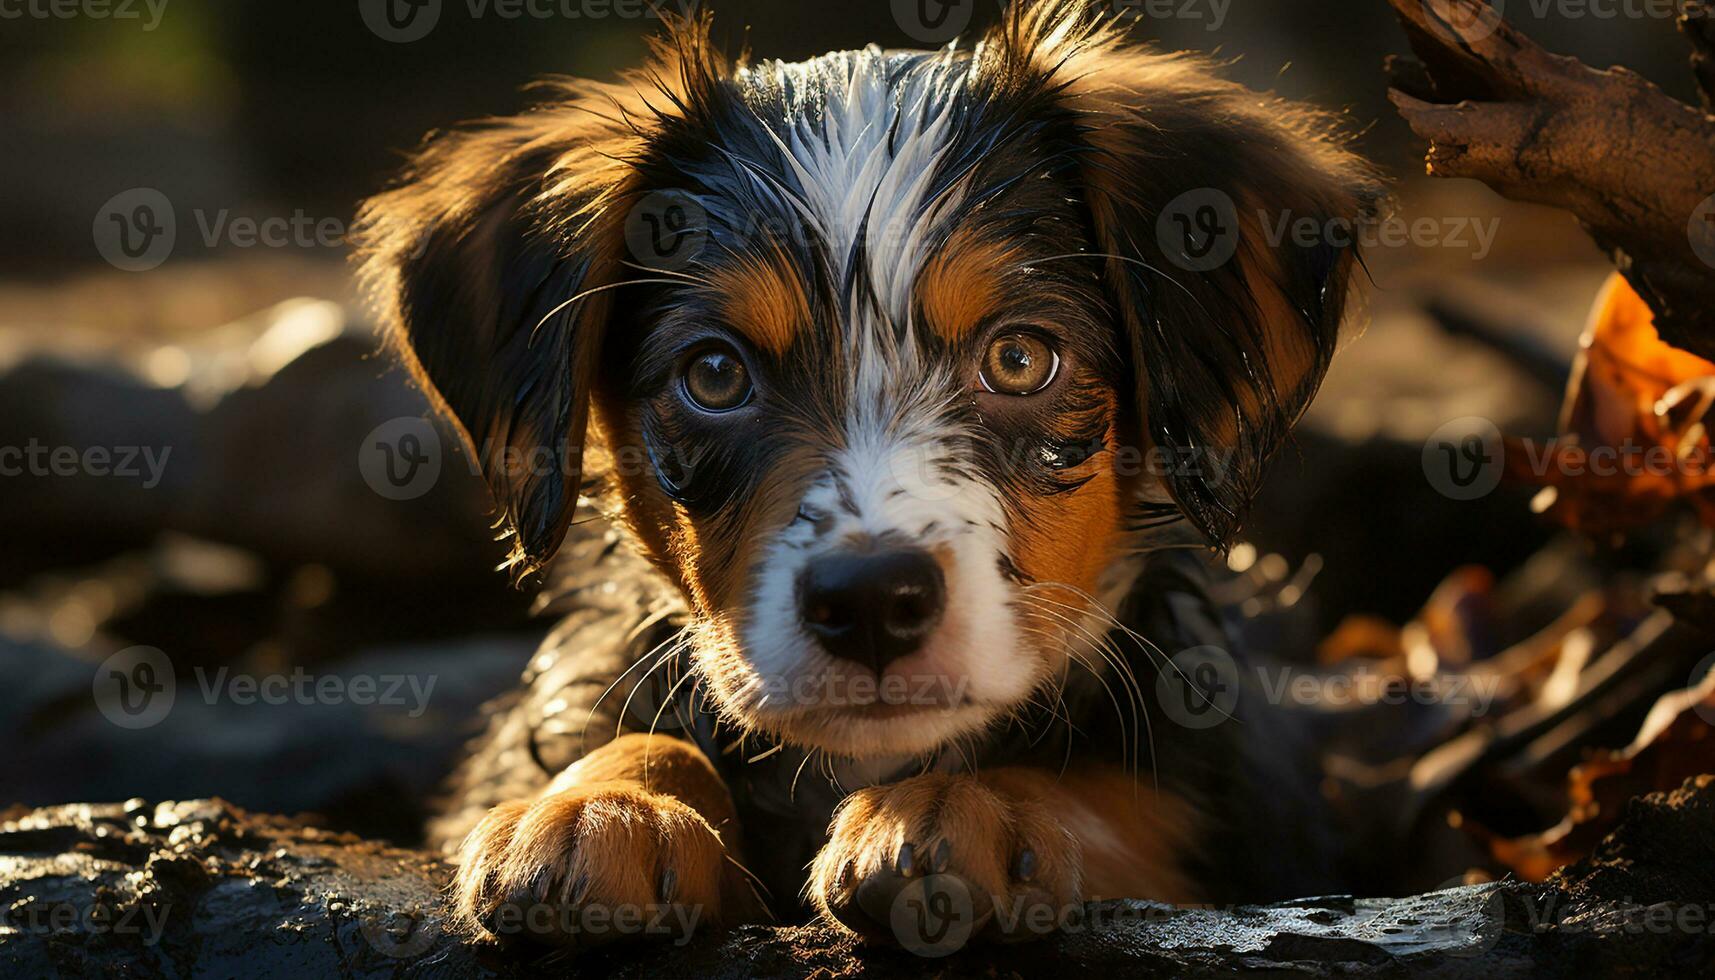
column 871, row 134
column 868, row 148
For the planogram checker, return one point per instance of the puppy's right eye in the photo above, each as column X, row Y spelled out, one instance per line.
column 1019, row 364
column 716, row 380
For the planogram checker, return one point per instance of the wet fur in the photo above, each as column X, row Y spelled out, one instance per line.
column 1031, row 170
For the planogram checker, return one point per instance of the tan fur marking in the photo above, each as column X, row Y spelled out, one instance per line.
column 984, row 828
column 1133, row 839
column 962, row 286
column 605, row 832
column 1091, row 516
column 764, row 300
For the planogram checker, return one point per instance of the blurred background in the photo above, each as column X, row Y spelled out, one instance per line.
column 266, row 543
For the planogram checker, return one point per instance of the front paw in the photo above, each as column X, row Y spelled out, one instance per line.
column 935, row 861
column 591, row 865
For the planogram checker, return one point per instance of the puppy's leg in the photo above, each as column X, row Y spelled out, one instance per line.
column 627, row 842
column 1022, row 847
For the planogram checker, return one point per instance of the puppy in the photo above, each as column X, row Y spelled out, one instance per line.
column 896, row 376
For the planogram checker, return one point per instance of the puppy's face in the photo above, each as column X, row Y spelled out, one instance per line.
column 880, row 400
column 886, row 407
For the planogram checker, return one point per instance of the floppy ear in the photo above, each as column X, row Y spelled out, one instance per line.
column 492, row 260
column 474, row 256
column 1198, row 191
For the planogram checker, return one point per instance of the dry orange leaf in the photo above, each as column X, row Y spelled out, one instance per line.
column 1675, row 742
column 1632, row 436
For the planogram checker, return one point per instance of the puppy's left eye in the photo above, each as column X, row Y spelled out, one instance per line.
column 716, row 380
column 1019, row 364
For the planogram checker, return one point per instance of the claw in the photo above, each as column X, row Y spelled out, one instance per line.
column 669, row 884
column 1024, row 868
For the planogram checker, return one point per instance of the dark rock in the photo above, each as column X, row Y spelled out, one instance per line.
column 203, row 888
column 361, row 742
column 283, row 434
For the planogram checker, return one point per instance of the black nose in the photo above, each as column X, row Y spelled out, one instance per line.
column 872, row 607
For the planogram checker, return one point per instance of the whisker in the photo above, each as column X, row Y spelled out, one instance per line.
column 666, row 658
column 686, row 276
column 792, row 790
column 1125, row 258
column 1148, row 644
column 656, row 721
column 591, row 292
column 677, row 638
column 1106, row 648
column 1126, row 752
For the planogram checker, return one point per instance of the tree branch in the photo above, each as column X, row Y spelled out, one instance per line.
column 1697, row 23
column 1636, row 166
